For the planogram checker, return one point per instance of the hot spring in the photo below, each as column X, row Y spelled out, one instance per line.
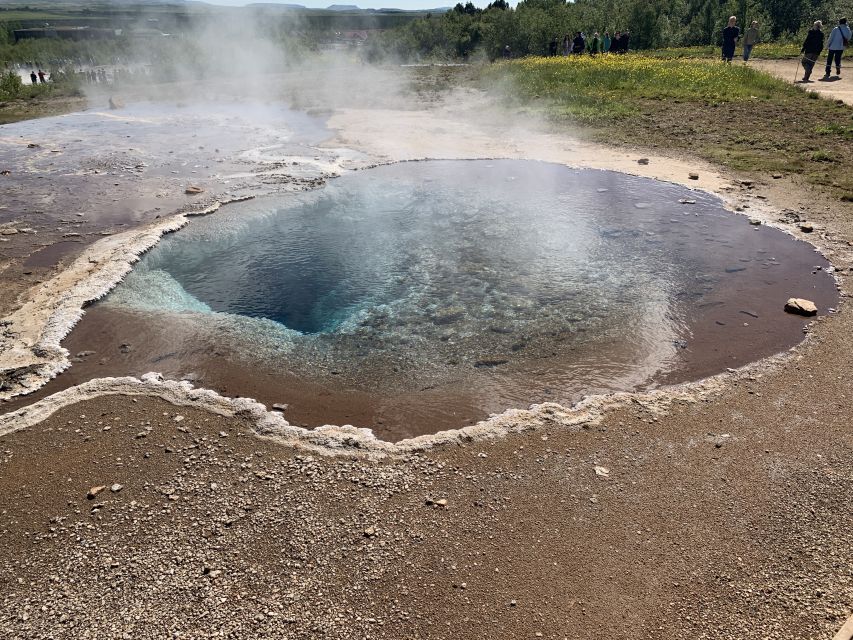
column 420, row 296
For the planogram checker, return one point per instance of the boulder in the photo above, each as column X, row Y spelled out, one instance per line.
column 801, row 307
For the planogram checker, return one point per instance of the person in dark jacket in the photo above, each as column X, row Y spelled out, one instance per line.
column 731, row 34
column 626, row 41
column 812, row 47
column 578, row 44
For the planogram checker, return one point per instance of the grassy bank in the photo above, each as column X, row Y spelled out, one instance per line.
column 766, row 51
column 733, row 115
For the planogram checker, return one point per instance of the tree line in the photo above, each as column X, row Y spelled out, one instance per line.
column 528, row 28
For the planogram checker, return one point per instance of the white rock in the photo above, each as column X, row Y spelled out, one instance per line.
column 800, row 306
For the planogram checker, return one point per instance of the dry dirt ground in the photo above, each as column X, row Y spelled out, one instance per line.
column 727, row 516
column 839, row 89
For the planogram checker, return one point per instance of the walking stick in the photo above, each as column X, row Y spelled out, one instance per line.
column 797, row 72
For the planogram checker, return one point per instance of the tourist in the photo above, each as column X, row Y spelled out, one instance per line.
column 552, row 48
column 811, row 49
column 617, row 41
column 596, row 44
column 731, row 34
column 839, row 38
column 41, row 76
column 579, row 44
column 750, row 38
column 567, row 45
column 626, row 41
column 605, row 43
column 33, row 77
column 507, row 55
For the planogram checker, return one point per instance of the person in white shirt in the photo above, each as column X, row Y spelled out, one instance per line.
column 839, row 38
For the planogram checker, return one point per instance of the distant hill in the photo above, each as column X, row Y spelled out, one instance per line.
column 342, row 7
column 274, row 5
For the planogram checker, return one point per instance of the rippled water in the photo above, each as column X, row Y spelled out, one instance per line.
column 530, row 279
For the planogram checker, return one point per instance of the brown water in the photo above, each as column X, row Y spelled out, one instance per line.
column 420, row 297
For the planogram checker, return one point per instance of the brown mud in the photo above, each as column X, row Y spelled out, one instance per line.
column 725, row 517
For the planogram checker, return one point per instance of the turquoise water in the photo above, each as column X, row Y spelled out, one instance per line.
column 414, row 275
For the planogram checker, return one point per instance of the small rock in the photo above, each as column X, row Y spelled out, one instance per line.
column 125, row 348
column 755, row 222
column 90, row 495
column 191, row 191
column 777, row 176
column 643, row 161
column 806, row 228
column 693, row 176
column 9, row 232
column 33, row 145
column 602, row 472
column 442, row 502
column 178, row 418
column 280, row 407
column 116, row 487
column 370, row 532
column 687, row 201
column 801, row 307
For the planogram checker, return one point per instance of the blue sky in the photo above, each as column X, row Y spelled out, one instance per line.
column 363, row 4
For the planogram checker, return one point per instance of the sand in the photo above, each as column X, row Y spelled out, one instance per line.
column 714, row 510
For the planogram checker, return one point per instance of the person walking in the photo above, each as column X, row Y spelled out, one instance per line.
column 750, row 39
column 839, row 39
column 41, row 76
column 626, row 42
column 731, row 34
column 579, row 44
column 812, row 46
column 596, row 44
column 567, row 45
column 33, row 77
column 606, row 42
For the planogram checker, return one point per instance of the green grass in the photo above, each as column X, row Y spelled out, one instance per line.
column 732, row 115
column 765, row 51
column 589, row 89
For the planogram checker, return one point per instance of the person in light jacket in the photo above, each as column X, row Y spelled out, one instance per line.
column 839, row 38
column 750, row 39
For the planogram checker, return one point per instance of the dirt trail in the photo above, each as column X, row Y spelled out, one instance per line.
column 835, row 88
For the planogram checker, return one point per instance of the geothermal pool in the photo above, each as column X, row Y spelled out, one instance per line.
column 421, row 296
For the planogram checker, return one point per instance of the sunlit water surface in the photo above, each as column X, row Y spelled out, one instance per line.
column 523, row 280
